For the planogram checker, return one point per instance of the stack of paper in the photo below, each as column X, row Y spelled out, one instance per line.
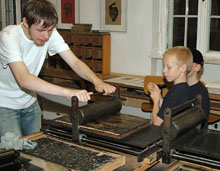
column 138, row 82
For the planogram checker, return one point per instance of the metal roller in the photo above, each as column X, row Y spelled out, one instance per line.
column 98, row 109
column 186, row 120
column 192, row 115
column 189, row 118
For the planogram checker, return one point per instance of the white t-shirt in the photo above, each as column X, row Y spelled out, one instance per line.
column 15, row 46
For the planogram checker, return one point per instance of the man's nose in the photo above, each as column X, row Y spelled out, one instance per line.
column 46, row 35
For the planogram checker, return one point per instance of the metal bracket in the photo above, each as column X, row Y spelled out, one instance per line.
column 74, row 117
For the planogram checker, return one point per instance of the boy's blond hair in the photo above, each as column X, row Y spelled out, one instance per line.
column 183, row 56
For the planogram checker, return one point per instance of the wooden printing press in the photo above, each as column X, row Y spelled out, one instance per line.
column 100, row 123
column 178, row 139
column 178, row 144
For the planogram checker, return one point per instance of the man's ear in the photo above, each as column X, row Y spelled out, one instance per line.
column 25, row 21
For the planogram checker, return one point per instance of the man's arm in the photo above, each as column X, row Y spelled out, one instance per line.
column 29, row 81
column 85, row 72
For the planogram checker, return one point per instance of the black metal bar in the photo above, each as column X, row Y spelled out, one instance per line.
column 56, row 132
column 117, row 92
column 197, row 160
column 111, row 145
column 195, row 101
column 166, row 158
column 74, row 117
column 102, row 143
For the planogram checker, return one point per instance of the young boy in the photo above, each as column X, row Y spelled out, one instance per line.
column 196, row 87
column 177, row 62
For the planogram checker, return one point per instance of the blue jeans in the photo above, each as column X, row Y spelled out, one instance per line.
column 21, row 122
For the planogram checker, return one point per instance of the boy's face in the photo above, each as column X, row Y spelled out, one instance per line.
column 38, row 33
column 171, row 70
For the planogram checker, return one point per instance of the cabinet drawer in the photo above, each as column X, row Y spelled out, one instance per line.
column 87, row 40
column 97, row 54
column 87, row 53
column 78, row 40
column 97, row 41
column 79, row 51
column 97, row 66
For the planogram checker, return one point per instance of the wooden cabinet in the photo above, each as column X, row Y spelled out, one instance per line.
column 93, row 48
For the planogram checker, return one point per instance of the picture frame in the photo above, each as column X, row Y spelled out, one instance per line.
column 113, row 15
column 60, row 24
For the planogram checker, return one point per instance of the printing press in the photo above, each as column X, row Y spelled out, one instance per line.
column 100, row 123
column 178, row 138
column 178, row 144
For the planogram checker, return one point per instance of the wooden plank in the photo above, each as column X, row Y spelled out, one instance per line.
column 133, row 102
column 213, row 118
column 55, row 154
column 214, row 96
column 146, row 107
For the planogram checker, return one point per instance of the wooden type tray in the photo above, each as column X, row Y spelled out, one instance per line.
column 55, row 154
column 186, row 166
column 116, row 126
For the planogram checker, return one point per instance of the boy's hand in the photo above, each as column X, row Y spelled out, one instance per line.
column 155, row 92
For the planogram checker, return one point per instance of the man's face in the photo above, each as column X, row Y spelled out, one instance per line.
column 39, row 34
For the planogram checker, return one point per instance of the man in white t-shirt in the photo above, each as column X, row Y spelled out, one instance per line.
column 23, row 50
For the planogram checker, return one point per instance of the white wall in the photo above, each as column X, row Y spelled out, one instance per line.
column 130, row 49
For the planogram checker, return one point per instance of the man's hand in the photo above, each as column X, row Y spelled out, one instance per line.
column 104, row 87
column 82, row 95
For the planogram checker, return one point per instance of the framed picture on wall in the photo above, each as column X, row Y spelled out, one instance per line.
column 113, row 15
column 68, row 13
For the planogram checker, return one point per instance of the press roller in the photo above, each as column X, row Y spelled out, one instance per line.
column 184, row 121
column 98, row 109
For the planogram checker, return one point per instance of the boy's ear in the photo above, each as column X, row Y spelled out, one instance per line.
column 197, row 67
column 184, row 68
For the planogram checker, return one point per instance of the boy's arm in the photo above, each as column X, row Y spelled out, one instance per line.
column 31, row 82
column 156, row 107
column 157, row 99
column 85, row 72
